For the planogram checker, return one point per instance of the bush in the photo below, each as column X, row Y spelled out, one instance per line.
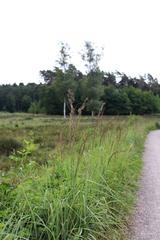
column 35, row 108
column 157, row 125
column 8, row 145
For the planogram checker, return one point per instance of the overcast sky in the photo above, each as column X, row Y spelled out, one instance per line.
column 30, row 30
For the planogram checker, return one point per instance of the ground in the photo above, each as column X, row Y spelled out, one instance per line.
column 146, row 219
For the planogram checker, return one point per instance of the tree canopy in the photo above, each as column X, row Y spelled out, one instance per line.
column 119, row 93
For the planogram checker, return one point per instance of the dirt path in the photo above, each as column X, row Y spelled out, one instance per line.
column 145, row 223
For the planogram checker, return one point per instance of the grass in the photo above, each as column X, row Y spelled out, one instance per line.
column 73, row 179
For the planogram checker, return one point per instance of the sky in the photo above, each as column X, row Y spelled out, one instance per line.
column 30, row 31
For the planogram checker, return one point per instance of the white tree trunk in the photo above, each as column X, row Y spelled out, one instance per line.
column 92, row 113
column 64, row 109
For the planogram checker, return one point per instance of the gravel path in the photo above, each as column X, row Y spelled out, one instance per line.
column 145, row 223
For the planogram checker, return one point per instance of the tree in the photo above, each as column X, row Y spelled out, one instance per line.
column 92, row 86
column 26, row 102
column 61, row 79
column 124, row 82
column 63, row 63
column 153, row 84
column 35, row 108
column 142, row 102
column 48, row 76
column 10, row 102
column 52, row 100
column 64, row 82
column 109, row 79
column 116, row 101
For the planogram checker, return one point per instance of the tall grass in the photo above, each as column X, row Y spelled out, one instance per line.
column 85, row 191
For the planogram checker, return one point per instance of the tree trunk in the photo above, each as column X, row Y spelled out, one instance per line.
column 92, row 113
column 64, row 109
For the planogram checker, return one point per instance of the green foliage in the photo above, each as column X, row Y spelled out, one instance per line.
column 63, row 82
column 26, row 102
column 21, row 157
column 130, row 101
column 119, row 93
column 35, row 108
column 117, row 101
column 92, row 87
column 87, row 186
column 157, row 125
column 143, row 102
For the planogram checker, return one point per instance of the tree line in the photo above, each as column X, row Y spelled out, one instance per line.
column 66, row 89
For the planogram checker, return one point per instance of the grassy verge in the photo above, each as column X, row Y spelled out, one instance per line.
column 84, row 191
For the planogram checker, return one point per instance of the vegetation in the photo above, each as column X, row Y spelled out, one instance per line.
column 73, row 179
column 8, row 145
column 118, row 93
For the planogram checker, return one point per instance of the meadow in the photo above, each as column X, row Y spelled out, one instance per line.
column 69, row 179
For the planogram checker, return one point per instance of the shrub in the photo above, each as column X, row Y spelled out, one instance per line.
column 157, row 125
column 8, row 145
column 36, row 108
